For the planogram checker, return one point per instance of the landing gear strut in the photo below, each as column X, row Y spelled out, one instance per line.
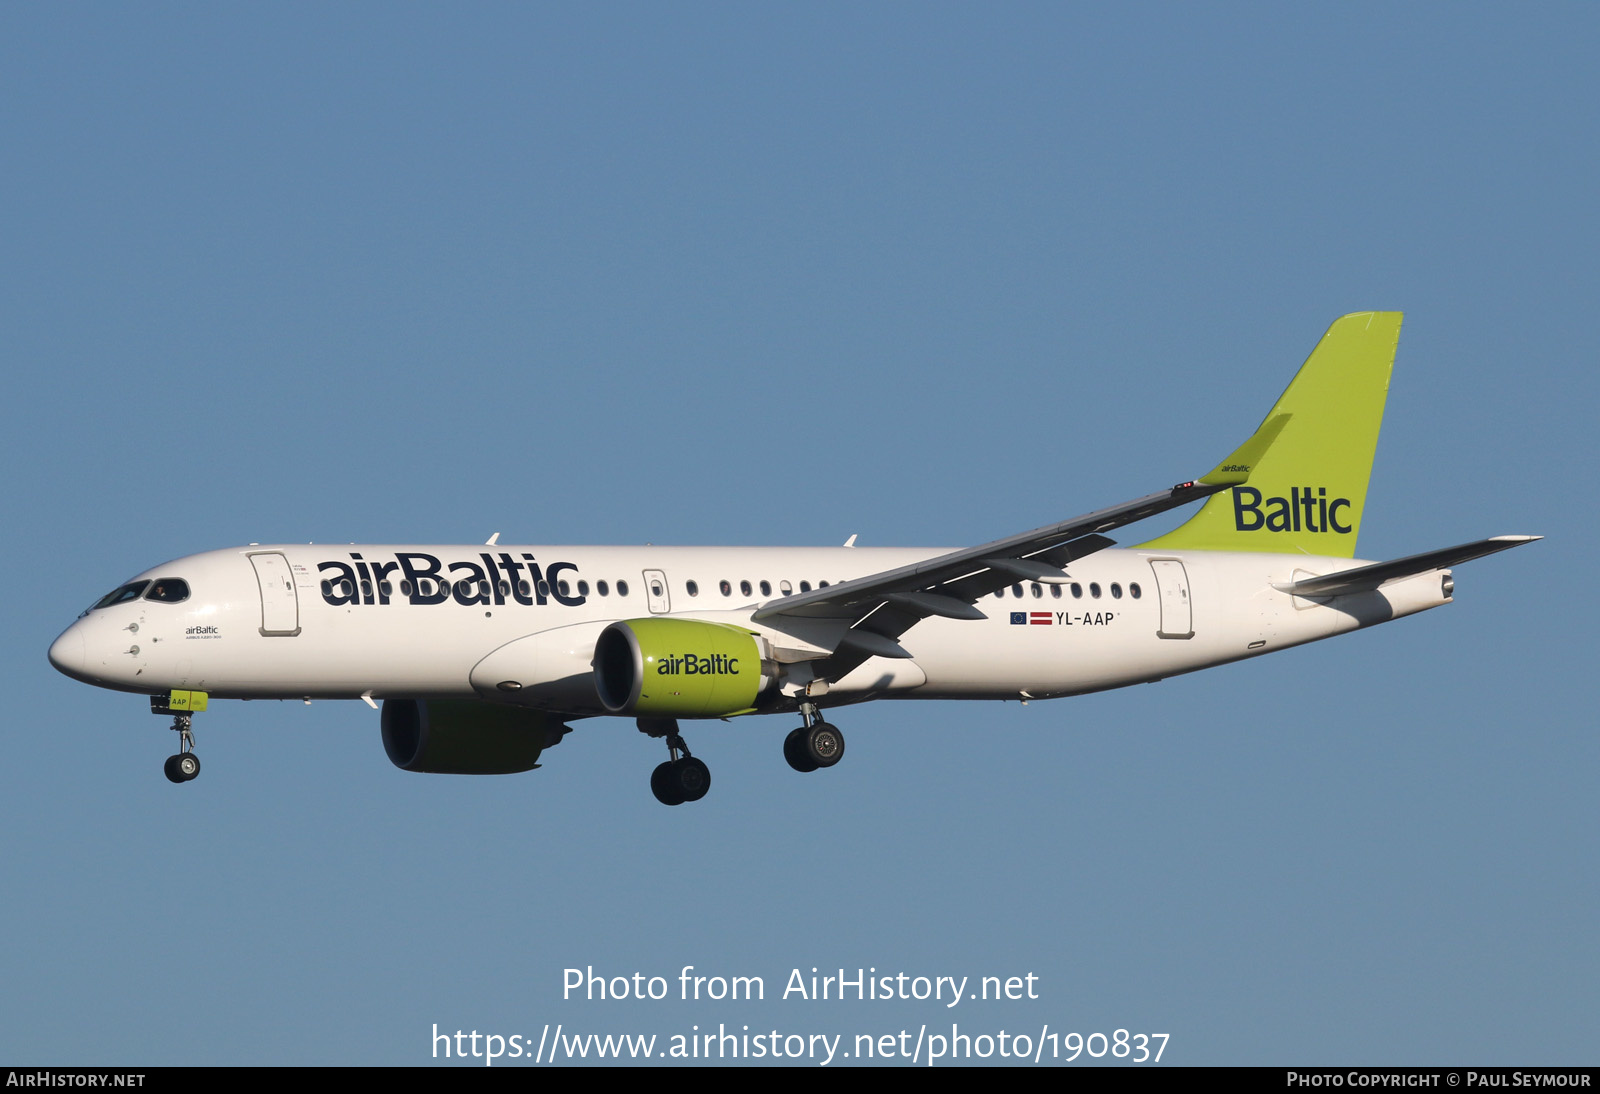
column 814, row 745
column 185, row 765
column 181, row 705
column 681, row 778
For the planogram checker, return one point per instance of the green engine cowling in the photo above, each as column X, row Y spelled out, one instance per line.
column 465, row 736
column 679, row 668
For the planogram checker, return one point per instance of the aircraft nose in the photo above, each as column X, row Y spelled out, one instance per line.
column 68, row 654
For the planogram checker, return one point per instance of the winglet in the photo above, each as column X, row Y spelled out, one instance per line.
column 1237, row 467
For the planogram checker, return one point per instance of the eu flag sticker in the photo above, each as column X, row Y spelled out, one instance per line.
column 1020, row 617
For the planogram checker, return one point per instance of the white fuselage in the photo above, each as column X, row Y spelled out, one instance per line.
column 349, row 622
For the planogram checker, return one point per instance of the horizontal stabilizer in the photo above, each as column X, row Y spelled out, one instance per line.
column 1364, row 578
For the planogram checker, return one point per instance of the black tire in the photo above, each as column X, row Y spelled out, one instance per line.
column 171, row 769
column 824, row 744
column 794, row 751
column 664, row 785
column 693, row 778
column 187, row 765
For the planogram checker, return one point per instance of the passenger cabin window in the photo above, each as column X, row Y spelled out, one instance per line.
column 1055, row 592
column 744, row 588
column 785, row 588
column 622, row 588
column 766, row 588
column 693, row 587
column 1133, row 590
column 1077, row 591
column 1094, row 589
column 805, row 586
column 726, row 587
column 603, row 588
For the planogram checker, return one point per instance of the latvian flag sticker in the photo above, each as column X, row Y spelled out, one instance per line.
column 1038, row 619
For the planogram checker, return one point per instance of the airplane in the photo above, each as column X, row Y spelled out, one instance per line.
column 481, row 655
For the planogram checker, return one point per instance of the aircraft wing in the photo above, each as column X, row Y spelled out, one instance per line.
column 883, row 606
column 1365, row 578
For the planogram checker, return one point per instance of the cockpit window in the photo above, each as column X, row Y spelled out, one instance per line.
column 130, row 591
column 168, row 590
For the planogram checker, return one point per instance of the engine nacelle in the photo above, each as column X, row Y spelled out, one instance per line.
column 679, row 668
column 465, row 736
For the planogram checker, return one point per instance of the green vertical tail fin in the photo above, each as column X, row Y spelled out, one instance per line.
column 1306, row 493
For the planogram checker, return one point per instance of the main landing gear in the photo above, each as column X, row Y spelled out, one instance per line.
column 814, row 745
column 681, row 778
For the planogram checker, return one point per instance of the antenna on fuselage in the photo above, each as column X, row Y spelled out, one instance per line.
column 492, row 541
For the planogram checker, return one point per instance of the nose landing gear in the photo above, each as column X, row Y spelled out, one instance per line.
column 182, row 705
column 185, row 765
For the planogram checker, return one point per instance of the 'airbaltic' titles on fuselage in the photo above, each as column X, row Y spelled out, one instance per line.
column 424, row 579
column 717, row 664
column 1300, row 511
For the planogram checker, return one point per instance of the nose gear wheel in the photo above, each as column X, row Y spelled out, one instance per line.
column 185, row 765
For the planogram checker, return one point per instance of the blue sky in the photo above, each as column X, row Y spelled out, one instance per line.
column 756, row 275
